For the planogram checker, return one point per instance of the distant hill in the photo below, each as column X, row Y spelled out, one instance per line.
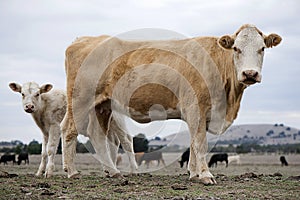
column 263, row 134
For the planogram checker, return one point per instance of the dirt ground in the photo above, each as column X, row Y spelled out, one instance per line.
column 257, row 177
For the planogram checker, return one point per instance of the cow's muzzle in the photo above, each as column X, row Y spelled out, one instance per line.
column 250, row 77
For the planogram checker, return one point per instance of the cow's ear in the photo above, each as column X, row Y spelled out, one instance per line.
column 15, row 87
column 272, row 40
column 226, row 41
column 45, row 88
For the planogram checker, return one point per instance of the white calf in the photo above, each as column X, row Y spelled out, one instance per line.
column 47, row 109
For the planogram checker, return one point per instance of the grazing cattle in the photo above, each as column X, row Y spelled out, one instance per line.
column 148, row 157
column 199, row 80
column 185, row 158
column 47, row 109
column 283, row 161
column 235, row 158
column 218, row 158
column 7, row 158
column 23, row 156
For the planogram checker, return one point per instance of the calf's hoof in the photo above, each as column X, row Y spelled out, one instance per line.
column 48, row 175
column 74, row 175
column 39, row 174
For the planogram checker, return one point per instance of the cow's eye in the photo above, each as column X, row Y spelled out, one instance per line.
column 37, row 95
column 23, row 95
column 237, row 50
column 261, row 50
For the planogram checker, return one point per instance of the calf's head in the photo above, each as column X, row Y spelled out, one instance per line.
column 31, row 94
column 248, row 45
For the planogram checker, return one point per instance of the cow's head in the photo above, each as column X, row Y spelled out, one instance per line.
column 248, row 45
column 31, row 94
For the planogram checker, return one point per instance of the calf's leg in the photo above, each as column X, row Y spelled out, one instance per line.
column 54, row 135
column 44, row 155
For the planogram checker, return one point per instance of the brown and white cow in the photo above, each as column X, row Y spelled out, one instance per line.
column 47, row 108
column 199, row 80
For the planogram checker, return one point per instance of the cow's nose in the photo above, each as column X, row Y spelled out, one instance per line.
column 250, row 74
column 29, row 106
column 250, row 77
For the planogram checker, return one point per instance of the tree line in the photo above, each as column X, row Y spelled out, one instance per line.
column 34, row 147
column 252, row 147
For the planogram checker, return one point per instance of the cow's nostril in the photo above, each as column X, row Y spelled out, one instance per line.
column 255, row 74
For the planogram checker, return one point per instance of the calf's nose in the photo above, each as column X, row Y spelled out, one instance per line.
column 29, row 108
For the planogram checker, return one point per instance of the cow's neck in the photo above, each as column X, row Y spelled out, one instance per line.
column 234, row 93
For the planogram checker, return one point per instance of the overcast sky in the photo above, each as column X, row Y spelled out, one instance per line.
column 34, row 35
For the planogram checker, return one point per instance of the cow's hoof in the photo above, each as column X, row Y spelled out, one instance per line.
column 204, row 181
column 194, row 179
column 117, row 175
column 208, row 181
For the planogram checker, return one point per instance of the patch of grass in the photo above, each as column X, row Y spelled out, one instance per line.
column 147, row 186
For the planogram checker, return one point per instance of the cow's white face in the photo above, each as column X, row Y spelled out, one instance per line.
column 31, row 94
column 248, row 45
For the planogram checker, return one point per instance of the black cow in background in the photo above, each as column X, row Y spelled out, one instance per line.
column 283, row 161
column 7, row 158
column 218, row 158
column 23, row 156
column 185, row 158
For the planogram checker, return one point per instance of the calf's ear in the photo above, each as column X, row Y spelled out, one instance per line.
column 45, row 88
column 226, row 41
column 272, row 40
column 15, row 87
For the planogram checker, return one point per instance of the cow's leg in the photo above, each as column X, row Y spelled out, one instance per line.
column 42, row 166
column 197, row 165
column 99, row 140
column 54, row 135
column 126, row 141
column 69, row 141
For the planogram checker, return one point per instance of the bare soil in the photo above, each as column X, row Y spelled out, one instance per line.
column 257, row 177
